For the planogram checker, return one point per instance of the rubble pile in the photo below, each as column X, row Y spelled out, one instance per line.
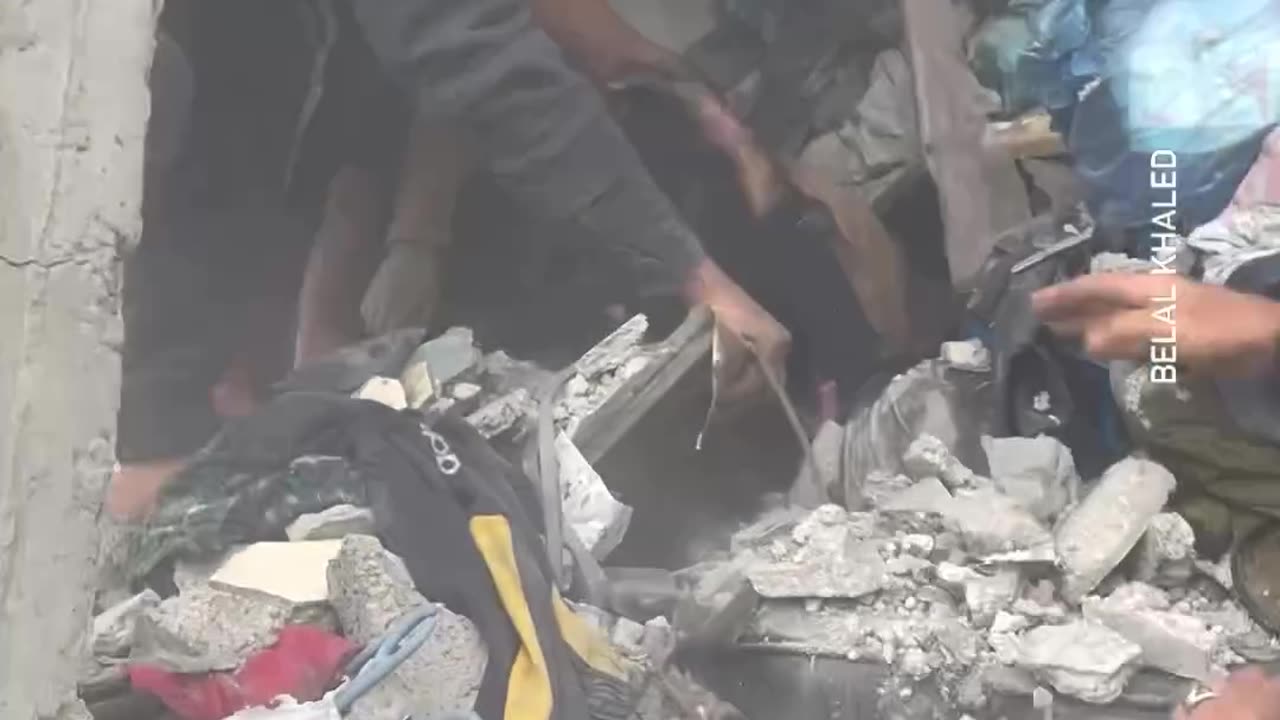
column 1001, row 584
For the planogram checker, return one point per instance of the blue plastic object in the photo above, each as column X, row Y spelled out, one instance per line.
column 382, row 657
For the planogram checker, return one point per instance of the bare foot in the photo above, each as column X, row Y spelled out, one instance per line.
column 135, row 487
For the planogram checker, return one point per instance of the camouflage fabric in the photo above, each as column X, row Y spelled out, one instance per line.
column 1228, row 480
column 206, row 511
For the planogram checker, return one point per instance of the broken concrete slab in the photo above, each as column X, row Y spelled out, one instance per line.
column 1039, row 472
column 207, row 629
column 1084, row 659
column 589, row 509
column 383, row 390
column 1095, row 537
column 295, row 572
column 113, row 629
column 1176, row 643
column 829, row 554
column 463, row 392
column 966, row 355
column 1166, row 554
column 929, row 457
column 333, row 523
column 370, row 589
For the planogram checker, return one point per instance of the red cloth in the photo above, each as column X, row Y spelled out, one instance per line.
column 304, row 662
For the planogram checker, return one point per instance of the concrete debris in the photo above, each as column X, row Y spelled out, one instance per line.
column 448, row 355
column 207, row 629
column 295, row 572
column 500, row 415
column 589, row 508
column 1095, row 537
column 601, row 372
column 967, row 355
column 627, row 634
column 333, row 523
column 1038, row 472
column 989, row 523
column 929, row 457
column 383, row 390
column 1084, row 659
column 463, row 392
column 986, row 595
column 1166, row 555
column 370, row 589
column 828, row 555
column 113, row 629
column 1175, row 643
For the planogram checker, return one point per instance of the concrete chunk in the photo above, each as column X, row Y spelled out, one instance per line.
column 1084, row 659
column 371, row 589
column 334, row 523
column 207, row 629
column 1166, row 555
column 929, row 457
column 1040, row 473
column 928, row 496
column 987, row 595
column 1094, row 538
column 503, row 413
column 295, row 572
column 1178, row 644
column 448, row 355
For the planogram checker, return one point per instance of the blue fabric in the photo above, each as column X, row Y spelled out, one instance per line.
column 1200, row 78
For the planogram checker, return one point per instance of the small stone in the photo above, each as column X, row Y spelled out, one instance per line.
column 384, row 390
column 813, row 605
column 296, row 572
column 918, row 545
column 463, row 392
column 987, row 595
column 334, row 523
column 929, row 457
column 967, row 355
column 1085, row 660
column 1040, row 473
column 1166, row 554
column 1094, row 538
column 1041, row 699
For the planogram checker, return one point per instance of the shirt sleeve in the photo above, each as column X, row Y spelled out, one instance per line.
column 543, row 127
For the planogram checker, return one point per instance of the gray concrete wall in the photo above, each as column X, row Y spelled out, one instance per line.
column 73, row 109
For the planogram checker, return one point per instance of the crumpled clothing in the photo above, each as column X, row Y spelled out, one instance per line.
column 1237, row 237
column 213, row 506
column 303, row 664
column 1145, row 79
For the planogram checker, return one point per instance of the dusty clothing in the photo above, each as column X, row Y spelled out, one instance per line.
column 263, row 147
column 542, row 129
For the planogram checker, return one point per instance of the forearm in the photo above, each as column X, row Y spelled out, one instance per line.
column 547, row 135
